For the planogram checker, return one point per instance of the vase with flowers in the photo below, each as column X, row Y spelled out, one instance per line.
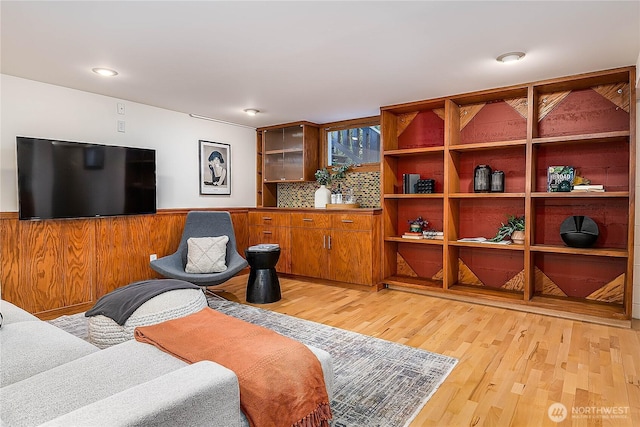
column 323, row 194
column 324, row 178
column 418, row 225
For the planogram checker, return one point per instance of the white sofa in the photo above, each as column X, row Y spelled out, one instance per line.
column 52, row 378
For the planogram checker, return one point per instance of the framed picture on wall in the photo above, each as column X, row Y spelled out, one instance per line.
column 215, row 168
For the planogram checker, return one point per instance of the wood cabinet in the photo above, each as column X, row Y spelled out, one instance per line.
column 341, row 247
column 355, row 249
column 272, row 227
column 585, row 121
column 311, row 238
column 338, row 246
column 289, row 153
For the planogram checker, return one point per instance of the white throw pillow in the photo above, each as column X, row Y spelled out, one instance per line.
column 206, row 254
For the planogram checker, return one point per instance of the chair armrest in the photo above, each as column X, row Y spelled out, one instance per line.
column 204, row 393
column 168, row 265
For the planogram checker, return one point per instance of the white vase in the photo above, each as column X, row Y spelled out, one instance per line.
column 323, row 196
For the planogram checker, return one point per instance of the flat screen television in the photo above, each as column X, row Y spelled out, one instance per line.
column 63, row 179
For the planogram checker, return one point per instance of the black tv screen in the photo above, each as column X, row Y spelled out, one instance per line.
column 62, row 179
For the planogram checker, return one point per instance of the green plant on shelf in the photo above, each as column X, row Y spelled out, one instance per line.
column 324, row 177
column 514, row 223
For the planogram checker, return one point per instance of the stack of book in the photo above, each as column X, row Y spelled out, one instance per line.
column 433, row 235
column 591, row 188
column 412, row 235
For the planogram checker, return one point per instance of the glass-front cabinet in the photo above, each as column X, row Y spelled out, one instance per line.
column 289, row 154
column 288, row 151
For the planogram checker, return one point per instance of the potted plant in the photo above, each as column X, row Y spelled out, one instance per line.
column 514, row 228
column 323, row 194
column 418, row 225
column 323, row 177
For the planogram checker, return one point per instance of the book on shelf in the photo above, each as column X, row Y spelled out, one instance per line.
column 409, row 181
column 560, row 178
column 416, row 236
column 434, row 235
column 484, row 240
column 596, row 188
column 501, row 242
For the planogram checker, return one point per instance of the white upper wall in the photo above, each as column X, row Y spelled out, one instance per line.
column 30, row 108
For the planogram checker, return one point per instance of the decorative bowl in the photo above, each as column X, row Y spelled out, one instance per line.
column 579, row 231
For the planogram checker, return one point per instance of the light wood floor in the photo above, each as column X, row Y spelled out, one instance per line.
column 512, row 365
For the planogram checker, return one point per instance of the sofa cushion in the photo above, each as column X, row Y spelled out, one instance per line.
column 27, row 348
column 202, row 394
column 206, row 254
column 14, row 314
column 82, row 382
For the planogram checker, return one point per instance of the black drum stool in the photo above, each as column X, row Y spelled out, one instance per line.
column 263, row 285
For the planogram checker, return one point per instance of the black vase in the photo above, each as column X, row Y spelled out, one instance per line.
column 497, row 182
column 579, row 231
column 482, row 179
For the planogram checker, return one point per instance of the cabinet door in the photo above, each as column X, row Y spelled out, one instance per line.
column 309, row 256
column 351, row 257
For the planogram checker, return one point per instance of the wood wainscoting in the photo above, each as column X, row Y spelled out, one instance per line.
column 56, row 267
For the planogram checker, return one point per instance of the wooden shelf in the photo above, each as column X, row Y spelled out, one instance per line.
column 436, row 242
column 584, row 121
column 579, row 195
column 611, row 252
column 415, row 196
column 486, row 195
column 510, row 247
column 412, row 151
column 488, row 145
column 413, row 282
column 595, row 137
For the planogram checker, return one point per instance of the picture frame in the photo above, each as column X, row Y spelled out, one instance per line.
column 215, row 168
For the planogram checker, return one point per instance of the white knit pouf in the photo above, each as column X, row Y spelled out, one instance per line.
column 105, row 332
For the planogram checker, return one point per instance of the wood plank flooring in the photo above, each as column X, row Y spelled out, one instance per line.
column 512, row 365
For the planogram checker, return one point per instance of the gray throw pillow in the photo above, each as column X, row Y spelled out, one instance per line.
column 206, row 254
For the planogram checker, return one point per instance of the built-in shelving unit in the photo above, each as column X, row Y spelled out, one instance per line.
column 585, row 121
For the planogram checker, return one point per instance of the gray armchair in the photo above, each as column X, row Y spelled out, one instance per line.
column 202, row 224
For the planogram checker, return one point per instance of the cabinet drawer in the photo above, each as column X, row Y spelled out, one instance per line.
column 275, row 219
column 351, row 222
column 311, row 220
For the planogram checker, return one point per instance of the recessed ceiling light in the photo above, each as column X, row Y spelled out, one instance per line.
column 251, row 111
column 106, row 72
column 510, row 57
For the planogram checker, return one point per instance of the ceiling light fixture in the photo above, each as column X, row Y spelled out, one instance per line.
column 105, row 72
column 251, row 111
column 510, row 57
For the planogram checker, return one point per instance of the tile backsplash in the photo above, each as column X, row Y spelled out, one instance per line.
column 365, row 185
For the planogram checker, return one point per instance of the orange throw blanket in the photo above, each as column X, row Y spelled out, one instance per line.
column 281, row 381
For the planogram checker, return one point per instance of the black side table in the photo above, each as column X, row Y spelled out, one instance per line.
column 263, row 285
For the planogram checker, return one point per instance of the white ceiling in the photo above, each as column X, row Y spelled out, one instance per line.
column 318, row 61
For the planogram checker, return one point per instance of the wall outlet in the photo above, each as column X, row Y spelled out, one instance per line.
column 153, row 257
column 121, row 108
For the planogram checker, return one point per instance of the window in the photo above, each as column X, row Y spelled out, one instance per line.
column 356, row 142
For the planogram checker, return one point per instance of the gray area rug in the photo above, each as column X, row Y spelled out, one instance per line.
column 377, row 383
